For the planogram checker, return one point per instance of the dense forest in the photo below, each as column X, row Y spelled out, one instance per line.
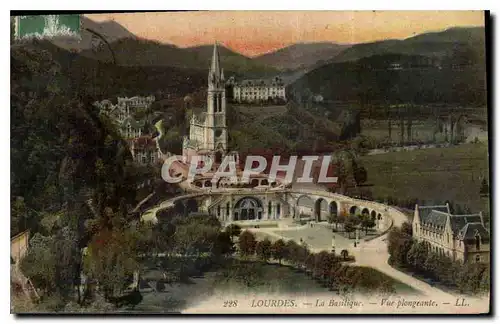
column 398, row 78
column 72, row 175
column 105, row 80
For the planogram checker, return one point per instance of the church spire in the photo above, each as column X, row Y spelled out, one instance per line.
column 215, row 66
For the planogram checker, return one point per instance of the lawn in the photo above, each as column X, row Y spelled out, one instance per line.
column 257, row 277
column 433, row 175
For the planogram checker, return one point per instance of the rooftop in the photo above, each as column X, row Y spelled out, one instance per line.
column 461, row 225
column 277, row 81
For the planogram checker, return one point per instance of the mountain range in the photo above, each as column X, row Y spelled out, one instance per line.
column 323, row 68
column 293, row 61
column 433, row 44
column 104, row 80
column 142, row 52
column 301, row 56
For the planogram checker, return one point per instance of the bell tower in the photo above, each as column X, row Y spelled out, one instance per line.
column 216, row 128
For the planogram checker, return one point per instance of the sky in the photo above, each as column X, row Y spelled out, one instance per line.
column 252, row 33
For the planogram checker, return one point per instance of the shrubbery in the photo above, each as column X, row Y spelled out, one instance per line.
column 326, row 267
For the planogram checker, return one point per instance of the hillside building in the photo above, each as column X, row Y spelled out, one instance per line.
column 258, row 91
column 144, row 150
column 460, row 237
column 123, row 113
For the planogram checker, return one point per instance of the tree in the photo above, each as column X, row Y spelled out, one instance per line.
column 278, row 250
column 333, row 218
column 292, row 252
column 194, row 237
column 484, row 286
column 367, row 223
column 349, row 228
column 389, row 123
column 344, row 253
column 247, row 243
column 341, row 219
column 402, row 126
column 302, row 255
column 39, row 264
column 485, row 189
column 409, row 125
column 323, row 264
column 111, row 260
column 398, row 245
column 417, row 255
column 263, row 250
column 431, row 264
column 407, row 229
column 360, row 175
column 223, row 245
column 233, row 230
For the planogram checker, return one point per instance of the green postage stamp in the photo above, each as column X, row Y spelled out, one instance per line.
column 47, row 26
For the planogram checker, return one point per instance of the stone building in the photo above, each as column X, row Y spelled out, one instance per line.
column 123, row 113
column 257, row 91
column 208, row 130
column 132, row 128
column 144, row 150
column 459, row 237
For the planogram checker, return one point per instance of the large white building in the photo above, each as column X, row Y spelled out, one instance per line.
column 258, row 91
column 208, row 130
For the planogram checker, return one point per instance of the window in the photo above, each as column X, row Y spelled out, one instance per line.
column 478, row 242
column 478, row 258
column 144, row 160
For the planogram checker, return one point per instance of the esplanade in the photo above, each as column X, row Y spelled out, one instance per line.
column 272, row 204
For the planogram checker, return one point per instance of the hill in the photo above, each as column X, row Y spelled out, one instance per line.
column 62, row 152
column 301, row 56
column 395, row 78
column 435, row 44
column 101, row 79
column 142, row 52
column 110, row 30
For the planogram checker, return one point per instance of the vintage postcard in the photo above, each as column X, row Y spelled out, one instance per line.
column 250, row 162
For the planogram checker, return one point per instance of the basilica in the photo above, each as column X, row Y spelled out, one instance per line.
column 208, row 131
